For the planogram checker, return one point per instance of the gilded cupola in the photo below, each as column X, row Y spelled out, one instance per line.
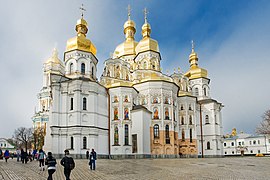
column 147, row 43
column 195, row 71
column 128, row 46
column 80, row 42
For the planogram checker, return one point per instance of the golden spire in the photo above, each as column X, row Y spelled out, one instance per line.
column 80, row 42
column 146, row 28
column 193, row 57
column 129, row 26
column 195, row 71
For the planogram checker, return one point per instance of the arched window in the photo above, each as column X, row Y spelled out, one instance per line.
column 182, row 120
column 116, row 136
column 189, row 107
column 182, row 107
column 126, row 134
column 190, row 135
column 84, row 103
column 156, row 131
column 206, row 119
column 144, row 65
column 167, row 134
column 208, row 145
column 71, row 103
column 204, row 91
column 190, row 120
column 83, row 68
column 71, row 142
column 71, row 68
column 183, row 135
column 167, row 117
column 84, row 142
column 196, row 92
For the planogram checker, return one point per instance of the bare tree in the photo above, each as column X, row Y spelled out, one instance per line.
column 264, row 126
column 24, row 136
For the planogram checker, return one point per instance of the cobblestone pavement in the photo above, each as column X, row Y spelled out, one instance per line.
column 154, row 169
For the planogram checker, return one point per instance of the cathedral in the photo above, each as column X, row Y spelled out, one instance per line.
column 133, row 109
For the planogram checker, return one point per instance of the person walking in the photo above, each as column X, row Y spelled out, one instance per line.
column 93, row 158
column 18, row 152
column 51, row 164
column 6, row 155
column 23, row 156
column 87, row 154
column 41, row 157
column 68, row 164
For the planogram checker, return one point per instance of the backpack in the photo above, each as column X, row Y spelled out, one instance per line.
column 70, row 164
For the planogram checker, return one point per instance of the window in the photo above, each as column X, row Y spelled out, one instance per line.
column 258, row 141
column 206, row 119
column 182, row 108
column 208, row 145
column 254, row 142
column 71, row 142
column 204, row 91
column 83, row 68
column 189, row 107
column 156, row 131
column 232, row 152
column 232, row 143
column 183, row 135
column 71, row 68
column 239, row 143
column 243, row 143
column 196, row 92
column 249, row 142
column 116, row 136
column 182, row 120
column 251, row 151
column 71, row 103
column 84, row 103
column 126, row 134
column 259, row 151
column 225, row 144
column 190, row 135
column 167, row 133
column 216, row 119
column 225, row 152
column 92, row 71
column 84, row 142
column 190, row 120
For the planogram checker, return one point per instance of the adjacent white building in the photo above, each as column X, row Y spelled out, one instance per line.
column 250, row 144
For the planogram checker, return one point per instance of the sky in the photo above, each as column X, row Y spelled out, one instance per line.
column 231, row 38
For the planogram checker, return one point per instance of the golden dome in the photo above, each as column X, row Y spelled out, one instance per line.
column 54, row 58
column 129, row 45
column 147, row 43
column 80, row 42
column 195, row 71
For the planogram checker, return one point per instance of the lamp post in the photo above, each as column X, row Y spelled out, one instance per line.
column 201, row 127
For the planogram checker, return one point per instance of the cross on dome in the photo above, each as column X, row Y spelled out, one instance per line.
column 192, row 45
column 82, row 9
column 145, row 15
column 129, row 11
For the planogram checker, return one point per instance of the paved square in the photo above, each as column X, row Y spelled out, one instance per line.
column 210, row 168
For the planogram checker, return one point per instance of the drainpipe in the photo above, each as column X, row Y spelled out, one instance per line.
column 109, row 123
column 201, row 128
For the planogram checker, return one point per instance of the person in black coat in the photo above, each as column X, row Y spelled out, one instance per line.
column 93, row 158
column 50, row 161
column 68, row 164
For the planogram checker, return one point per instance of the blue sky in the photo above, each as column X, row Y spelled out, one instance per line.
column 232, row 40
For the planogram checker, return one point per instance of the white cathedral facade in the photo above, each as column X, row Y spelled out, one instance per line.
column 133, row 109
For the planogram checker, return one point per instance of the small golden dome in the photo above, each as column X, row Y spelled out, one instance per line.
column 80, row 42
column 82, row 22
